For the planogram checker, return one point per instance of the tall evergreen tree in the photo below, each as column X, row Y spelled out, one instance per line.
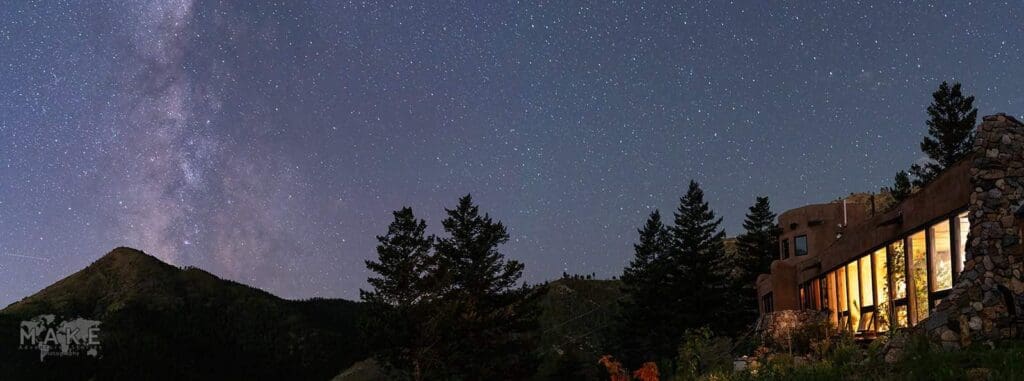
column 756, row 248
column 901, row 187
column 400, row 296
column 678, row 279
column 645, row 316
column 489, row 319
column 950, row 132
column 697, row 267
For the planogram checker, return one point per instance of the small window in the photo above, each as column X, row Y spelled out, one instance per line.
column 800, row 246
column 768, row 303
column 785, row 249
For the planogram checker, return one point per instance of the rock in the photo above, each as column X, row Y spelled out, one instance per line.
column 739, row 365
column 979, row 374
column 935, row 321
column 893, row 355
column 1016, row 286
column 974, row 323
column 948, row 335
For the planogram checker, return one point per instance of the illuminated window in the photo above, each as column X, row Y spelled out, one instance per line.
column 897, row 267
column 901, row 316
column 897, row 271
column 833, row 299
column 881, row 289
column 853, row 289
column 815, row 294
column 964, row 227
column 865, row 281
column 800, row 246
column 942, row 263
column 919, row 276
column 843, row 315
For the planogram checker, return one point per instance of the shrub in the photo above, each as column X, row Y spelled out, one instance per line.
column 806, row 335
column 702, row 352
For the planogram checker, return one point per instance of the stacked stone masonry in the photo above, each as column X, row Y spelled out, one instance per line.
column 985, row 304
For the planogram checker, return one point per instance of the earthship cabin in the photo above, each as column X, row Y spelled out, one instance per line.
column 872, row 269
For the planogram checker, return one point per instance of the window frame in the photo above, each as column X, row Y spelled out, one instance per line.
column 807, row 246
column 833, row 286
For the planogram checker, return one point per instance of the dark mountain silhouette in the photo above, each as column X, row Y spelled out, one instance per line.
column 163, row 322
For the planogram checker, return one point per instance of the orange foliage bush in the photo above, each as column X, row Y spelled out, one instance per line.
column 615, row 370
column 647, row 372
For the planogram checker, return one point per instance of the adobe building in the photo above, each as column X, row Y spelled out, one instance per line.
column 947, row 260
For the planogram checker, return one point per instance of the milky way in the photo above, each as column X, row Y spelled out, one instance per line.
column 268, row 143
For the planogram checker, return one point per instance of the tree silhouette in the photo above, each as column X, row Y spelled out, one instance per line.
column 400, row 296
column 644, row 313
column 697, row 269
column 489, row 320
column 901, row 188
column 950, row 132
column 756, row 248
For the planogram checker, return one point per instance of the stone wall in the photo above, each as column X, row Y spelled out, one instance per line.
column 779, row 329
column 985, row 304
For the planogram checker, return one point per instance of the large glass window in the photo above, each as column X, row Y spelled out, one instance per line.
column 898, row 273
column 829, row 284
column 853, row 289
column 881, row 290
column 864, row 265
column 897, row 267
column 815, row 294
column 800, row 245
column 963, row 229
column 919, row 276
column 942, row 262
column 841, row 298
column 902, row 318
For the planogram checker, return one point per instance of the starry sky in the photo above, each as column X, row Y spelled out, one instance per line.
column 268, row 142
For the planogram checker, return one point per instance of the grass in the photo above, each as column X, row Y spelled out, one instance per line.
column 923, row 362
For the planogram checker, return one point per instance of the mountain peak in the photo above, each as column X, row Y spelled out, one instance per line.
column 129, row 257
column 153, row 313
column 121, row 275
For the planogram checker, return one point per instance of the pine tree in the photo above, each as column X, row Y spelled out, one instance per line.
column 400, row 296
column 756, row 248
column 488, row 319
column 901, row 187
column 645, row 316
column 697, row 267
column 678, row 279
column 950, row 132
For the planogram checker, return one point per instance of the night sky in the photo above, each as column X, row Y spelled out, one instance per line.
column 268, row 143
